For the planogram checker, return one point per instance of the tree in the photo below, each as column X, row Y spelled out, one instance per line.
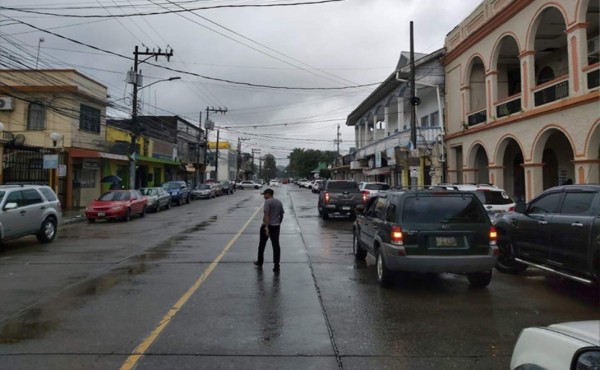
column 302, row 161
column 269, row 169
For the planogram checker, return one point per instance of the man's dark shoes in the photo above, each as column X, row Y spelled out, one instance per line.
column 258, row 265
column 276, row 268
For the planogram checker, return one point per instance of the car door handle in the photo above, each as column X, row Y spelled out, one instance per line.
column 577, row 224
column 375, row 227
column 543, row 222
column 23, row 212
column 43, row 207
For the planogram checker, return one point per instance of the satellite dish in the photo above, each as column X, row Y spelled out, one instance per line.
column 19, row 139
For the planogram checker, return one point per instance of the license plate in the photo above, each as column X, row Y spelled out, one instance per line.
column 445, row 241
column 100, row 214
column 345, row 208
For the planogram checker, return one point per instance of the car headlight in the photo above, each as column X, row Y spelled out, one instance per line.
column 117, row 208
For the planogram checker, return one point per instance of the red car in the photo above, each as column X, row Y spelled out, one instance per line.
column 117, row 204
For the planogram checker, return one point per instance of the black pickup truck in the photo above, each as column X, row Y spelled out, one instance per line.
column 558, row 232
column 339, row 197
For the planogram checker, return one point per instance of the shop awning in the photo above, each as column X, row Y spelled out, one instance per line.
column 141, row 158
column 86, row 153
column 190, row 168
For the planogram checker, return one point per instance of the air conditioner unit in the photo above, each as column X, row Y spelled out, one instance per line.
column 7, row 103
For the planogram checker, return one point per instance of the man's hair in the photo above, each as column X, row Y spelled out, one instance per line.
column 269, row 191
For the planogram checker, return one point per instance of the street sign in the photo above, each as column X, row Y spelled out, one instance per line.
column 50, row 161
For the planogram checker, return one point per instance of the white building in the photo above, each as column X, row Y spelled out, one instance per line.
column 522, row 95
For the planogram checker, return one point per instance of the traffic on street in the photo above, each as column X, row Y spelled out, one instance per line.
column 178, row 289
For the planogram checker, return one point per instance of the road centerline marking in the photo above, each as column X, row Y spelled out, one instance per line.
column 141, row 349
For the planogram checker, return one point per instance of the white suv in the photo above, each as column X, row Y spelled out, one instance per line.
column 373, row 188
column 28, row 210
column 494, row 199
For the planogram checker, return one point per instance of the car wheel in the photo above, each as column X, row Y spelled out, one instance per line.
column 384, row 275
column 187, row 200
column 359, row 253
column 47, row 231
column 169, row 204
column 143, row 214
column 506, row 260
column 480, row 279
column 91, row 220
column 180, row 201
column 325, row 215
column 256, row 187
column 127, row 216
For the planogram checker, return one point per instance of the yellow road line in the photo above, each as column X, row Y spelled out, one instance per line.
column 141, row 349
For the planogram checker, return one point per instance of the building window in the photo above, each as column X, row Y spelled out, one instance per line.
column 89, row 118
column 424, row 121
column 434, row 119
column 88, row 178
column 36, row 116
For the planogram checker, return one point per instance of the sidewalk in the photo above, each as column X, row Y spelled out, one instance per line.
column 72, row 215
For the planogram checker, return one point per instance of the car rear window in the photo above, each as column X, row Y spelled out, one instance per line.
column 342, row 185
column 114, row 195
column 49, row 194
column 443, row 209
column 493, row 197
column 377, row 187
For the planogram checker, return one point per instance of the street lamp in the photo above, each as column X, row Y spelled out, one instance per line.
column 38, row 51
column 135, row 129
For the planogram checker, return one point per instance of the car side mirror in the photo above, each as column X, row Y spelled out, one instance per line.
column 360, row 209
column 10, row 206
column 586, row 358
column 520, row 207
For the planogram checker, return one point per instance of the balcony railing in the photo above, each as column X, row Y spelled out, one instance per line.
column 509, row 106
column 593, row 78
column 477, row 117
column 552, row 91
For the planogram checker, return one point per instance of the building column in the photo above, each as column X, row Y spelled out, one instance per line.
column 469, row 176
column 491, row 85
column 386, row 119
column 587, row 171
column 527, row 59
column 465, row 104
column 497, row 176
column 577, row 51
column 534, row 180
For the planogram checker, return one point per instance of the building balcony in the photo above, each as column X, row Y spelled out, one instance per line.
column 593, row 76
column 477, row 117
column 508, row 106
column 551, row 91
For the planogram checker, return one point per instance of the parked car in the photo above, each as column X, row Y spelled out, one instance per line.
column 570, row 345
column 339, row 197
column 372, row 188
column 117, row 204
column 558, row 232
column 426, row 231
column 494, row 199
column 246, row 184
column 29, row 210
column 317, row 185
column 204, row 191
column 274, row 183
column 226, row 187
column 158, row 198
column 179, row 191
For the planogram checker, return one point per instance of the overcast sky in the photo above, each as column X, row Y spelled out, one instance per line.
column 320, row 46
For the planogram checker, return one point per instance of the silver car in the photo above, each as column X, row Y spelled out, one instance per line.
column 158, row 198
column 29, row 210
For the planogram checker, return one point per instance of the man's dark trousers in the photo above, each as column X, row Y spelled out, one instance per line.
column 274, row 235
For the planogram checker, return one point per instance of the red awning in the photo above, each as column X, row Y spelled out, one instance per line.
column 86, row 153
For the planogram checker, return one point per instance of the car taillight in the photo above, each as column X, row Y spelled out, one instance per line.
column 326, row 198
column 511, row 209
column 396, row 235
column 365, row 196
column 493, row 235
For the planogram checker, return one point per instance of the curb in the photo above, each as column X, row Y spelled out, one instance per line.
column 72, row 220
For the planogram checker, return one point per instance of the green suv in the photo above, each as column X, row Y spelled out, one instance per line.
column 426, row 231
column 27, row 210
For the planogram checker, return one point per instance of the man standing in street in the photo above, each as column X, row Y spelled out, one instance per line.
column 273, row 215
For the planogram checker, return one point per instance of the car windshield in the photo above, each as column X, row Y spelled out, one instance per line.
column 203, row 186
column 377, row 186
column 114, row 195
column 493, row 197
column 149, row 191
column 171, row 185
column 446, row 209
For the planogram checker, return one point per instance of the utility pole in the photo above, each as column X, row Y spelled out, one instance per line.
column 136, row 80
column 338, row 139
column 209, row 125
column 198, row 144
column 239, row 155
column 217, row 158
column 414, row 100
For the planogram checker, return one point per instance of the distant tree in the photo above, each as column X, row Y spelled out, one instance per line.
column 302, row 161
column 269, row 169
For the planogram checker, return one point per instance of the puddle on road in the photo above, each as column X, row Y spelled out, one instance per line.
column 35, row 322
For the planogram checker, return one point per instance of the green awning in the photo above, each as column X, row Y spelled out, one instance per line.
column 141, row 158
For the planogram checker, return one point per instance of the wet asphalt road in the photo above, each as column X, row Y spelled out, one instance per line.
column 177, row 289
